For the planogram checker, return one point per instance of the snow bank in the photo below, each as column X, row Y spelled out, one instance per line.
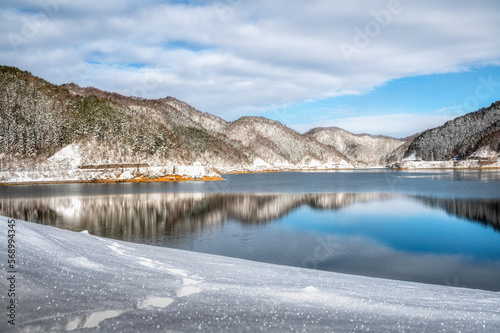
column 419, row 164
column 74, row 281
column 483, row 157
column 307, row 164
column 105, row 174
column 66, row 166
column 469, row 163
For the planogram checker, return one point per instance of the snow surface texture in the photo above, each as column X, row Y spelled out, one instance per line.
column 70, row 281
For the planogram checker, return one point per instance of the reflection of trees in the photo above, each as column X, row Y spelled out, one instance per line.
column 136, row 216
column 486, row 212
column 151, row 216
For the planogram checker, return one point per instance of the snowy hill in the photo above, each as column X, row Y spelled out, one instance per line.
column 472, row 140
column 283, row 147
column 41, row 124
column 53, row 133
column 363, row 149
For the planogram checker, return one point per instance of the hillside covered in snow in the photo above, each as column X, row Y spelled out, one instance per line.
column 90, row 283
column 363, row 150
column 70, row 133
column 50, row 131
column 472, row 140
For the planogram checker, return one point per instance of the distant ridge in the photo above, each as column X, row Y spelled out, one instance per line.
column 363, row 149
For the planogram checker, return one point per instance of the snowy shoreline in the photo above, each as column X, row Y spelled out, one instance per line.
column 483, row 158
column 109, row 175
column 71, row 281
column 190, row 173
column 67, row 166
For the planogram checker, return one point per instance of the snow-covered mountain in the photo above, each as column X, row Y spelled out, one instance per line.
column 472, row 140
column 282, row 147
column 50, row 132
column 46, row 130
column 363, row 149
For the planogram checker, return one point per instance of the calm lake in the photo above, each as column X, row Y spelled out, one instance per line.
column 437, row 226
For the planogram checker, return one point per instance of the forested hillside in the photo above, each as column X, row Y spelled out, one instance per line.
column 459, row 138
column 96, row 128
column 46, row 129
column 38, row 119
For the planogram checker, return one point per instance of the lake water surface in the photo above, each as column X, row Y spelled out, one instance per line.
column 439, row 226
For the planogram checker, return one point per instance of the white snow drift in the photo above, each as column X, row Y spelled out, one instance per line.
column 72, row 281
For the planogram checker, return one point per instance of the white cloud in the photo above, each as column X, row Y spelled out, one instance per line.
column 229, row 57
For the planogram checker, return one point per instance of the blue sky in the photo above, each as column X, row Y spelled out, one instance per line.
column 393, row 67
column 428, row 99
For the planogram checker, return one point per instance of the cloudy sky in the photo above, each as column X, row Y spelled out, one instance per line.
column 391, row 67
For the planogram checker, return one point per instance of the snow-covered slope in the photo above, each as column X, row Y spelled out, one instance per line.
column 472, row 140
column 44, row 127
column 363, row 149
column 69, row 281
column 282, row 147
column 50, row 132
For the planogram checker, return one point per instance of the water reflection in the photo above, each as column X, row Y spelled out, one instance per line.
column 136, row 216
column 141, row 216
column 486, row 212
column 391, row 235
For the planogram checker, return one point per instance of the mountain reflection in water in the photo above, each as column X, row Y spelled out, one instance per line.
column 389, row 235
column 134, row 216
column 486, row 211
column 146, row 216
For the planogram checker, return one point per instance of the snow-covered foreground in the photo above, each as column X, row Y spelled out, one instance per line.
column 79, row 282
